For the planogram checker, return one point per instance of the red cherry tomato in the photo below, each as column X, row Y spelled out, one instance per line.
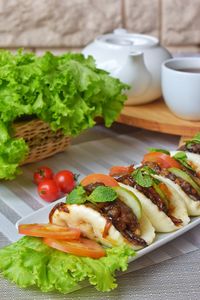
column 42, row 173
column 65, row 181
column 48, row 190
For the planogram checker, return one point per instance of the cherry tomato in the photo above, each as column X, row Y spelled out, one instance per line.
column 120, row 170
column 164, row 160
column 81, row 247
column 48, row 190
column 93, row 178
column 49, row 230
column 42, row 173
column 65, row 181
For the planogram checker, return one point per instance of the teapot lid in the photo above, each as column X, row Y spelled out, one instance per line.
column 120, row 37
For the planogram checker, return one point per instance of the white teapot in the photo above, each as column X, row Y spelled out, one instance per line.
column 133, row 58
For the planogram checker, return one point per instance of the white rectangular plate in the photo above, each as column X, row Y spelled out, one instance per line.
column 41, row 216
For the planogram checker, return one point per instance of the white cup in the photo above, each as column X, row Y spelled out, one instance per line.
column 181, row 89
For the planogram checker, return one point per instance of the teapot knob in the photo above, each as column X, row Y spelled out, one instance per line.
column 120, row 31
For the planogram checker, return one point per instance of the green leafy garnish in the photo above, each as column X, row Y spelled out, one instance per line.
column 12, row 151
column 182, row 158
column 194, row 140
column 29, row 262
column 77, row 196
column 68, row 92
column 103, row 194
column 143, row 176
column 159, row 150
column 100, row 194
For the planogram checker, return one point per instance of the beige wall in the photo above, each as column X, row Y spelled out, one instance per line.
column 71, row 24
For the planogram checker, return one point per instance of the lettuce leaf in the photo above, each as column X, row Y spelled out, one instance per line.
column 68, row 92
column 29, row 262
column 12, row 152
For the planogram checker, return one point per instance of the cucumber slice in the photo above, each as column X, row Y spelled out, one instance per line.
column 186, row 177
column 196, row 179
column 130, row 199
column 161, row 194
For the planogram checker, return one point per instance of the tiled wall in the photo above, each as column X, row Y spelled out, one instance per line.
column 71, row 24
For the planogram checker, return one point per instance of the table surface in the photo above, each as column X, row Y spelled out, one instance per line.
column 176, row 278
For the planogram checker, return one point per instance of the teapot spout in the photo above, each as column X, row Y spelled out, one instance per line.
column 136, row 75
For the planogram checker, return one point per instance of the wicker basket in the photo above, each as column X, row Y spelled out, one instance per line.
column 42, row 141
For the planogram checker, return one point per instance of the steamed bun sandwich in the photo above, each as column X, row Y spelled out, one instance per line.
column 192, row 145
column 89, row 237
column 105, row 212
column 188, row 155
column 180, row 171
column 160, row 202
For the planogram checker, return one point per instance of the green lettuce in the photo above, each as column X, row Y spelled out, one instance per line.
column 12, row 152
column 68, row 92
column 29, row 262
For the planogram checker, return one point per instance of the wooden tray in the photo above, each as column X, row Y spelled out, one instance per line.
column 156, row 116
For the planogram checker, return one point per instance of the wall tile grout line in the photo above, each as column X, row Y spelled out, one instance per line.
column 123, row 14
column 160, row 18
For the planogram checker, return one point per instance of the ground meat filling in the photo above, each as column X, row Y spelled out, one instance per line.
column 191, row 172
column 191, row 147
column 149, row 193
column 187, row 188
column 121, row 216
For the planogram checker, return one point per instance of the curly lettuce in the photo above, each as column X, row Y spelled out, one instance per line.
column 29, row 262
column 68, row 92
column 12, row 152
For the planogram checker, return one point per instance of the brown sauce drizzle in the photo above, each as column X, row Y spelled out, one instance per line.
column 106, row 228
column 61, row 207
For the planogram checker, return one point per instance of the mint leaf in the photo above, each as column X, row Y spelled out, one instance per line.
column 143, row 176
column 103, row 194
column 182, row 158
column 100, row 194
column 194, row 140
column 159, row 150
column 77, row 196
column 180, row 155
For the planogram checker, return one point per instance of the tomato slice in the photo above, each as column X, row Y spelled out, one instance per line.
column 120, row 170
column 93, row 178
column 49, row 230
column 164, row 160
column 81, row 247
column 165, row 190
